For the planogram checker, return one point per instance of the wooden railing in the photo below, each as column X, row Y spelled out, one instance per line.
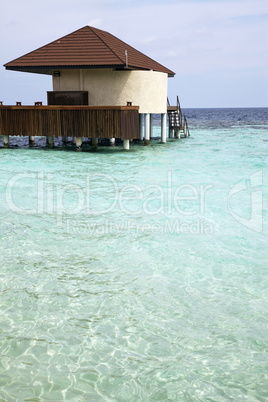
column 185, row 127
column 61, row 121
column 178, row 120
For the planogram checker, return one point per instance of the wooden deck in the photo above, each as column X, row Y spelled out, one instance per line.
column 69, row 121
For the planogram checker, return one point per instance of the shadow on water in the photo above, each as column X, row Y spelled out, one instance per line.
column 103, row 147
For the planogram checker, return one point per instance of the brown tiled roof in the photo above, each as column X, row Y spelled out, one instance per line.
column 87, row 47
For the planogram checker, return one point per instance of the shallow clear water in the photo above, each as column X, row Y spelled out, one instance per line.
column 141, row 275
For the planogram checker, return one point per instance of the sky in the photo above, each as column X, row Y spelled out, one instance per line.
column 218, row 49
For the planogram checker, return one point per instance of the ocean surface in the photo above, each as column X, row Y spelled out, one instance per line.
column 140, row 275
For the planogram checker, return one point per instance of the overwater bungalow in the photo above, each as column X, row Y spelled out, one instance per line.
column 102, row 88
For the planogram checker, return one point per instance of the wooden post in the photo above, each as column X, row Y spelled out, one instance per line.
column 95, row 142
column 6, row 141
column 147, row 129
column 163, row 128
column 50, row 141
column 126, row 145
column 184, row 126
column 78, row 143
column 151, row 126
column 141, row 127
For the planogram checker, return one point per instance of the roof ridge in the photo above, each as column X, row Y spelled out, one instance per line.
column 93, row 30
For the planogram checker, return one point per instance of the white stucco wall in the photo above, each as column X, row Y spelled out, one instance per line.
column 146, row 89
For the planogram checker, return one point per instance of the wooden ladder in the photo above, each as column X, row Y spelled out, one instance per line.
column 177, row 120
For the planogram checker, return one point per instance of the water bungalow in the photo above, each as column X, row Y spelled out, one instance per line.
column 102, row 88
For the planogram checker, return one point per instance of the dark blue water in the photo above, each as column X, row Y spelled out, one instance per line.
column 214, row 119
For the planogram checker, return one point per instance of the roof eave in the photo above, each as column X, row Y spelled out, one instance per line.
column 49, row 69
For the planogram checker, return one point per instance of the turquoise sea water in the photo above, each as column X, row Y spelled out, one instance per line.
column 140, row 275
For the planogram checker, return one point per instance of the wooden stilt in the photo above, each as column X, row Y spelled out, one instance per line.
column 126, row 145
column 50, row 141
column 163, row 128
column 141, row 127
column 78, row 143
column 147, row 129
column 95, row 142
column 151, row 125
column 171, row 132
column 6, row 141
